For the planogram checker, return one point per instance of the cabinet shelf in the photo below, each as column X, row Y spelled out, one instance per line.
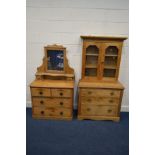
column 91, row 54
column 110, row 66
column 91, row 66
column 111, row 55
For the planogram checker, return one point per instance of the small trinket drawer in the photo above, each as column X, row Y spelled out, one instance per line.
column 50, row 102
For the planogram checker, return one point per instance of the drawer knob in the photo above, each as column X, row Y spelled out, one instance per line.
column 109, row 111
column 89, row 92
column 41, row 102
column 112, row 93
column 61, row 94
column 61, row 113
column 111, row 101
column 40, row 92
column 88, row 109
column 61, row 103
column 89, row 100
column 42, row 112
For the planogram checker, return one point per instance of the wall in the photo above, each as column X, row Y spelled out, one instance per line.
column 63, row 21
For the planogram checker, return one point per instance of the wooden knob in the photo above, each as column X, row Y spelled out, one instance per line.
column 61, row 113
column 112, row 93
column 89, row 92
column 40, row 92
column 89, row 100
column 61, row 103
column 42, row 102
column 61, row 94
column 111, row 101
column 42, row 112
column 109, row 111
column 88, row 109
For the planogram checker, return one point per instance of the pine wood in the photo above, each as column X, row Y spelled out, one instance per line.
column 95, row 63
column 56, row 102
column 44, row 73
column 100, row 92
column 52, row 91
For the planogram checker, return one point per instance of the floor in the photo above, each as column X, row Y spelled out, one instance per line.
column 49, row 137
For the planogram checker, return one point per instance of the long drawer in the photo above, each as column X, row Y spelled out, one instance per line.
column 99, row 110
column 52, row 102
column 99, row 100
column 100, row 92
column 42, row 111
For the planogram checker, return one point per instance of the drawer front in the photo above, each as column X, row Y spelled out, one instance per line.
column 99, row 110
column 99, row 100
column 42, row 111
column 40, row 92
column 61, row 92
column 100, row 92
column 52, row 102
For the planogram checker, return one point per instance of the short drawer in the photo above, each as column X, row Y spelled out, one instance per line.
column 42, row 111
column 52, row 102
column 99, row 100
column 40, row 92
column 100, row 92
column 61, row 92
column 99, row 110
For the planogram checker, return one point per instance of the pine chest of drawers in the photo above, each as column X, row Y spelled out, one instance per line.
column 100, row 100
column 52, row 99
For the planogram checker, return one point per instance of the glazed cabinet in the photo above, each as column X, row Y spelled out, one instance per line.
column 100, row 92
column 101, row 58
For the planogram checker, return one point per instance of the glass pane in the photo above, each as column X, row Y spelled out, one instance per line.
column 110, row 61
column 91, row 72
column 92, row 60
column 111, row 50
column 109, row 72
column 55, row 60
column 92, row 50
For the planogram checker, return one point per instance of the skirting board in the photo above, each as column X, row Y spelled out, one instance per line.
column 124, row 108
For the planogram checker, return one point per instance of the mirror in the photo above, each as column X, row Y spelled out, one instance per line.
column 55, row 60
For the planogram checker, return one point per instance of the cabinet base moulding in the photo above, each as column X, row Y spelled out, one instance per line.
column 81, row 117
column 52, row 117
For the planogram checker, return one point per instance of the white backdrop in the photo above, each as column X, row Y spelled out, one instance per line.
column 63, row 21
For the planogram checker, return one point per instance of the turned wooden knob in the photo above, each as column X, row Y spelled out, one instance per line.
column 111, row 101
column 88, row 109
column 89, row 92
column 42, row 102
column 40, row 92
column 112, row 93
column 61, row 94
column 61, row 103
column 42, row 112
column 109, row 111
column 61, row 113
column 89, row 100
